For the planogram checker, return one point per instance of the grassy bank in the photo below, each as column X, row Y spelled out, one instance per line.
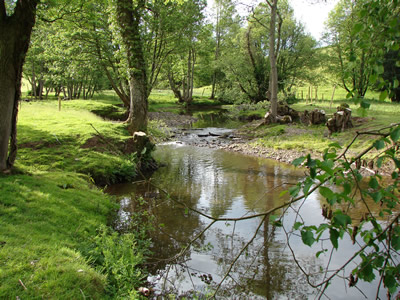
column 53, row 241
column 72, row 139
column 45, row 220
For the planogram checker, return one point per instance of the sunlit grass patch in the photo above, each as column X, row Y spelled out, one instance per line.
column 44, row 218
column 72, row 139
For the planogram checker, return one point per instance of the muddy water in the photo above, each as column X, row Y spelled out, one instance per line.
column 223, row 184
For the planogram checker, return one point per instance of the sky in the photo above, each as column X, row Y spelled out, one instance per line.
column 312, row 13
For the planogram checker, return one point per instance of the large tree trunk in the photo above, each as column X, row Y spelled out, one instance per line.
column 272, row 58
column 15, row 32
column 129, row 18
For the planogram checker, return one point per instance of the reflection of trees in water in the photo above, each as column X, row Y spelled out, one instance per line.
column 173, row 225
column 266, row 270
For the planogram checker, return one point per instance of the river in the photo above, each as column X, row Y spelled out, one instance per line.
column 222, row 184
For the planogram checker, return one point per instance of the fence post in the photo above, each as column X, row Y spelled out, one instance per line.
column 333, row 94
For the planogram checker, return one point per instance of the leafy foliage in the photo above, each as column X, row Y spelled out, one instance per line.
column 341, row 182
column 119, row 257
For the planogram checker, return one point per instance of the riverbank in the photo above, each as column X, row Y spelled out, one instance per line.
column 54, row 241
column 285, row 143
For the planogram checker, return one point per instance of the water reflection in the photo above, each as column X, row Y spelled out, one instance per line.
column 223, row 184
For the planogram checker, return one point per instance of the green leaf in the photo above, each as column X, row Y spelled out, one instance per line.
column 395, row 134
column 297, row 225
column 377, row 196
column 328, row 166
column 326, row 192
column 294, row 190
column 333, row 236
column 373, row 183
column 373, row 78
column 379, row 161
column 396, row 242
column 379, row 144
column 283, row 193
column 298, row 161
column 357, row 28
column 335, row 145
column 346, row 188
column 390, row 282
column 379, row 69
column 366, row 272
column 320, row 252
column 307, row 185
column 395, row 84
column 341, row 219
column 307, row 237
column 396, row 162
column 365, row 104
column 383, row 95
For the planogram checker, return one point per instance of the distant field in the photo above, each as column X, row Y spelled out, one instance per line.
column 325, row 92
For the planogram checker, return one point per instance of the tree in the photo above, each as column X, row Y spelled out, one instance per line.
column 351, row 62
column 273, row 56
column 380, row 29
column 391, row 74
column 15, row 31
column 247, row 63
column 128, row 18
column 226, row 19
column 180, row 69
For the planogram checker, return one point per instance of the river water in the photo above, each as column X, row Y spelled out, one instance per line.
column 222, row 184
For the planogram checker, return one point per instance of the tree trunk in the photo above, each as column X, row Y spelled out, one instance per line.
column 174, row 88
column 217, row 50
column 272, row 58
column 129, row 18
column 15, row 32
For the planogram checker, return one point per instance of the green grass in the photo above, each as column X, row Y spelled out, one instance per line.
column 164, row 100
column 315, row 138
column 45, row 219
column 68, row 140
column 325, row 91
column 50, row 211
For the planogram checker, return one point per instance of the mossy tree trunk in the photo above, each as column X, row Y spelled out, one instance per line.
column 273, row 53
column 15, row 32
column 129, row 18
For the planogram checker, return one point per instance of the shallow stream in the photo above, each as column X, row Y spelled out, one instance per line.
column 222, row 184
